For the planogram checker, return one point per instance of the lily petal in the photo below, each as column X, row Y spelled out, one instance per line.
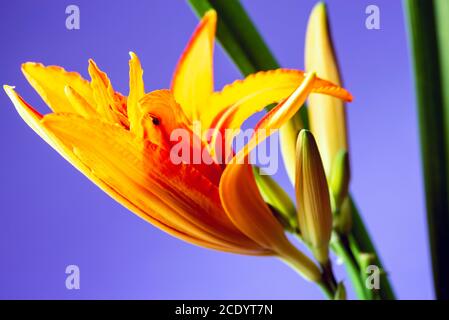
column 243, row 171
column 34, row 120
column 162, row 118
column 192, row 82
column 233, row 117
column 27, row 112
column 160, row 115
column 327, row 115
column 136, row 92
column 261, row 89
column 50, row 81
column 242, row 201
column 278, row 116
column 79, row 104
column 104, row 94
column 246, row 208
column 178, row 196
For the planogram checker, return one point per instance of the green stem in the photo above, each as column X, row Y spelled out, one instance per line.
column 361, row 240
column 328, row 284
column 429, row 82
column 296, row 260
column 351, row 266
column 328, row 275
column 327, row 290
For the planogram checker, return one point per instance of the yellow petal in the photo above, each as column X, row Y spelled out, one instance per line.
column 278, row 116
column 177, row 196
column 312, row 197
column 136, row 92
column 234, row 116
column 160, row 115
column 288, row 135
column 327, row 115
column 28, row 113
column 104, row 94
column 79, row 104
column 192, row 82
column 33, row 119
column 50, row 82
column 247, row 209
column 261, row 89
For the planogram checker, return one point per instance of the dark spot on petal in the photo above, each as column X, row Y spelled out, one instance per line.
column 156, row 121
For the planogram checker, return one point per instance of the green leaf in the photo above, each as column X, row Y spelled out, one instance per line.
column 428, row 31
column 442, row 20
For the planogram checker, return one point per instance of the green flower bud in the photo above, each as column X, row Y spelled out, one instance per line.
column 339, row 178
column 312, row 197
column 278, row 199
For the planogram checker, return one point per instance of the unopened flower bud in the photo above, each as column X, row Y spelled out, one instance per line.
column 278, row 199
column 312, row 197
column 288, row 135
column 339, row 178
column 327, row 116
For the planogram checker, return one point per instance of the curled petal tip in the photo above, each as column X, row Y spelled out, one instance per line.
column 212, row 14
column 28, row 67
column 350, row 97
column 8, row 88
column 320, row 7
column 192, row 81
column 28, row 64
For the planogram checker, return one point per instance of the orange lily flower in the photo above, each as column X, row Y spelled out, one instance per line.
column 123, row 144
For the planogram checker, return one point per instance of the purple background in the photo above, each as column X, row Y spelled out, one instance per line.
column 52, row 216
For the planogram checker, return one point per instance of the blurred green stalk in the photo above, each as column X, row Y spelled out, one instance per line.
column 243, row 43
column 428, row 23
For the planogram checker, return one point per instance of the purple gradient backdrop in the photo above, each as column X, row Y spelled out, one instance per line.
column 52, row 216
